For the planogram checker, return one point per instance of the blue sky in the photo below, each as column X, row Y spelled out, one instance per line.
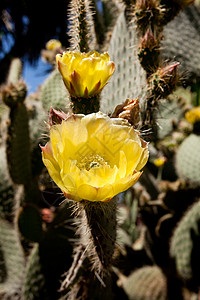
column 34, row 75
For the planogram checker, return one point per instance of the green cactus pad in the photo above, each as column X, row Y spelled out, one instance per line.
column 169, row 111
column 7, row 201
column 37, row 116
column 54, row 93
column 188, row 159
column 129, row 78
column 14, row 262
column 147, row 283
column 182, row 243
column 182, row 41
column 34, row 284
column 30, row 223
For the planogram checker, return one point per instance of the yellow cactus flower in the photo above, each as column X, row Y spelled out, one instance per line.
column 94, row 157
column 193, row 115
column 160, row 161
column 53, row 44
column 85, row 74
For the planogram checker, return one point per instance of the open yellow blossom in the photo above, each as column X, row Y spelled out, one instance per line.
column 193, row 115
column 53, row 44
column 94, row 157
column 85, row 74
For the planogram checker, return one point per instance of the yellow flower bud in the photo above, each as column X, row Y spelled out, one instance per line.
column 85, row 74
column 193, row 115
column 94, row 157
column 53, row 44
column 159, row 162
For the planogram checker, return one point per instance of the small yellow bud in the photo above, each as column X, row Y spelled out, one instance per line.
column 53, row 44
column 193, row 115
column 160, row 161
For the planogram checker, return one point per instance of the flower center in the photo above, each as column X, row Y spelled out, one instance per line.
column 91, row 161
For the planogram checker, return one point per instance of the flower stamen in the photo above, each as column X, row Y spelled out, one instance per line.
column 91, row 161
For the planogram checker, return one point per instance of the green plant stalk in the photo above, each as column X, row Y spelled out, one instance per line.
column 101, row 222
column 81, row 28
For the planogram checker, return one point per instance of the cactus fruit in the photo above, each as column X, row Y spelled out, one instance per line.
column 54, row 93
column 147, row 283
column 183, row 245
column 188, row 159
column 129, row 79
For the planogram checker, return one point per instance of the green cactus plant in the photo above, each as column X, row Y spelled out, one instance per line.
column 147, row 283
column 6, row 188
column 81, row 26
column 183, row 244
column 169, row 113
column 129, row 79
column 91, row 274
column 54, row 93
column 34, row 283
column 182, row 40
column 188, row 159
column 15, row 71
column 14, row 261
column 18, row 146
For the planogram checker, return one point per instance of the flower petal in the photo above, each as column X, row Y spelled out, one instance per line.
column 125, row 183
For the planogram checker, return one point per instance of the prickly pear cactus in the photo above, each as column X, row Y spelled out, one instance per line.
column 37, row 115
column 6, row 189
column 182, row 40
column 54, row 93
column 183, row 244
column 34, row 284
column 147, row 283
column 188, row 159
column 129, row 79
column 13, row 258
column 169, row 112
